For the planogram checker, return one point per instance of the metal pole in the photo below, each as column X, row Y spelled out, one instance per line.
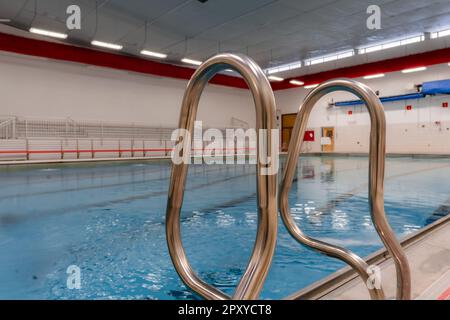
column 14, row 126
column 253, row 278
column 144, row 153
column 27, row 146
column 376, row 185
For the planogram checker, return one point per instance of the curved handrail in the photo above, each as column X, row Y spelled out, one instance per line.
column 376, row 185
column 253, row 278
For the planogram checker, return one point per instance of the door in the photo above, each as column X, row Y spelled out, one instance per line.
column 328, row 139
column 287, row 124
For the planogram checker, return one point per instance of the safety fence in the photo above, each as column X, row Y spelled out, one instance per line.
column 66, row 139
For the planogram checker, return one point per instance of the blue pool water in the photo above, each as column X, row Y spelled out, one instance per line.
column 108, row 219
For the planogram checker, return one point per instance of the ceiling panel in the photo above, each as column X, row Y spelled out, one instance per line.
column 271, row 31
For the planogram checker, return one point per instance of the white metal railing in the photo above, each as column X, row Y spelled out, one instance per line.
column 68, row 128
column 7, row 128
column 51, row 139
column 83, row 148
column 30, row 128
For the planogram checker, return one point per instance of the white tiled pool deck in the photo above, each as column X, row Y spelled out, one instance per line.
column 429, row 259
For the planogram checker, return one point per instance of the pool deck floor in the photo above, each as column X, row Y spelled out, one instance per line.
column 429, row 259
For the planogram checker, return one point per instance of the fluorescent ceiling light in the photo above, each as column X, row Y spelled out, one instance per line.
column 48, row 33
column 414, row 69
column 310, row 86
column 106, row 45
column 274, row 78
column 374, row 76
column 154, row 54
column 191, row 61
column 296, row 82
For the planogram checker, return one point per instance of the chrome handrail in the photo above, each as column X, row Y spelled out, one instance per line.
column 376, row 186
column 253, row 278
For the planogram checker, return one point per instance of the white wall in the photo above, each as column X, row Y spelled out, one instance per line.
column 34, row 87
column 424, row 129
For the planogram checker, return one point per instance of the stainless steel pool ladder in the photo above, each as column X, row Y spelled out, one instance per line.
column 253, row 278
column 376, row 186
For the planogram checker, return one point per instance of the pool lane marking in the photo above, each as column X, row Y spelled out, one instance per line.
column 13, row 218
column 111, row 185
column 328, row 205
column 97, row 174
column 343, row 197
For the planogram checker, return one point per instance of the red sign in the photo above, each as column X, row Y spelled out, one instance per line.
column 309, row 135
column 349, row 112
column 408, row 107
column 444, row 104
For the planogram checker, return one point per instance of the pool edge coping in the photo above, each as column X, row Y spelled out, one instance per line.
column 307, row 154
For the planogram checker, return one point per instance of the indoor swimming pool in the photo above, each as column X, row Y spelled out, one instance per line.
column 108, row 219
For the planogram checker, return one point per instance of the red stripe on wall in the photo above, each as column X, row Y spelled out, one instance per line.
column 58, row 51
column 111, row 150
column 385, row 66
column 65, row 52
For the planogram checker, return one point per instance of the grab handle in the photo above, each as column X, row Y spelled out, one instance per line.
column 253, row 278
column 376, row 185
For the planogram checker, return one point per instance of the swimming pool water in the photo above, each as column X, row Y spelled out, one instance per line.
column 108, row 219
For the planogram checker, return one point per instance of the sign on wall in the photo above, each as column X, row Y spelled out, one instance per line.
column 309, row 135
column 325, row 141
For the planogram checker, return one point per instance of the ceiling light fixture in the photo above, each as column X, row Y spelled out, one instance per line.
column 191, row 61
column 296, row 82
column 48, row 33
column 414, row 69
column 153, row 54
column 374, row 76
column 310, row 86
column 106, row 45
column 274, row 78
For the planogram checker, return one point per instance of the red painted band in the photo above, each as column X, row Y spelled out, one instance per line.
column 71, row 53
column 58, row 51
column 385, row 66
column 108, row 150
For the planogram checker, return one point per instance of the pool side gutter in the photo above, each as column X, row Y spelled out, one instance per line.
column 358, row 154
column 19, row 162
column 309, row 154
